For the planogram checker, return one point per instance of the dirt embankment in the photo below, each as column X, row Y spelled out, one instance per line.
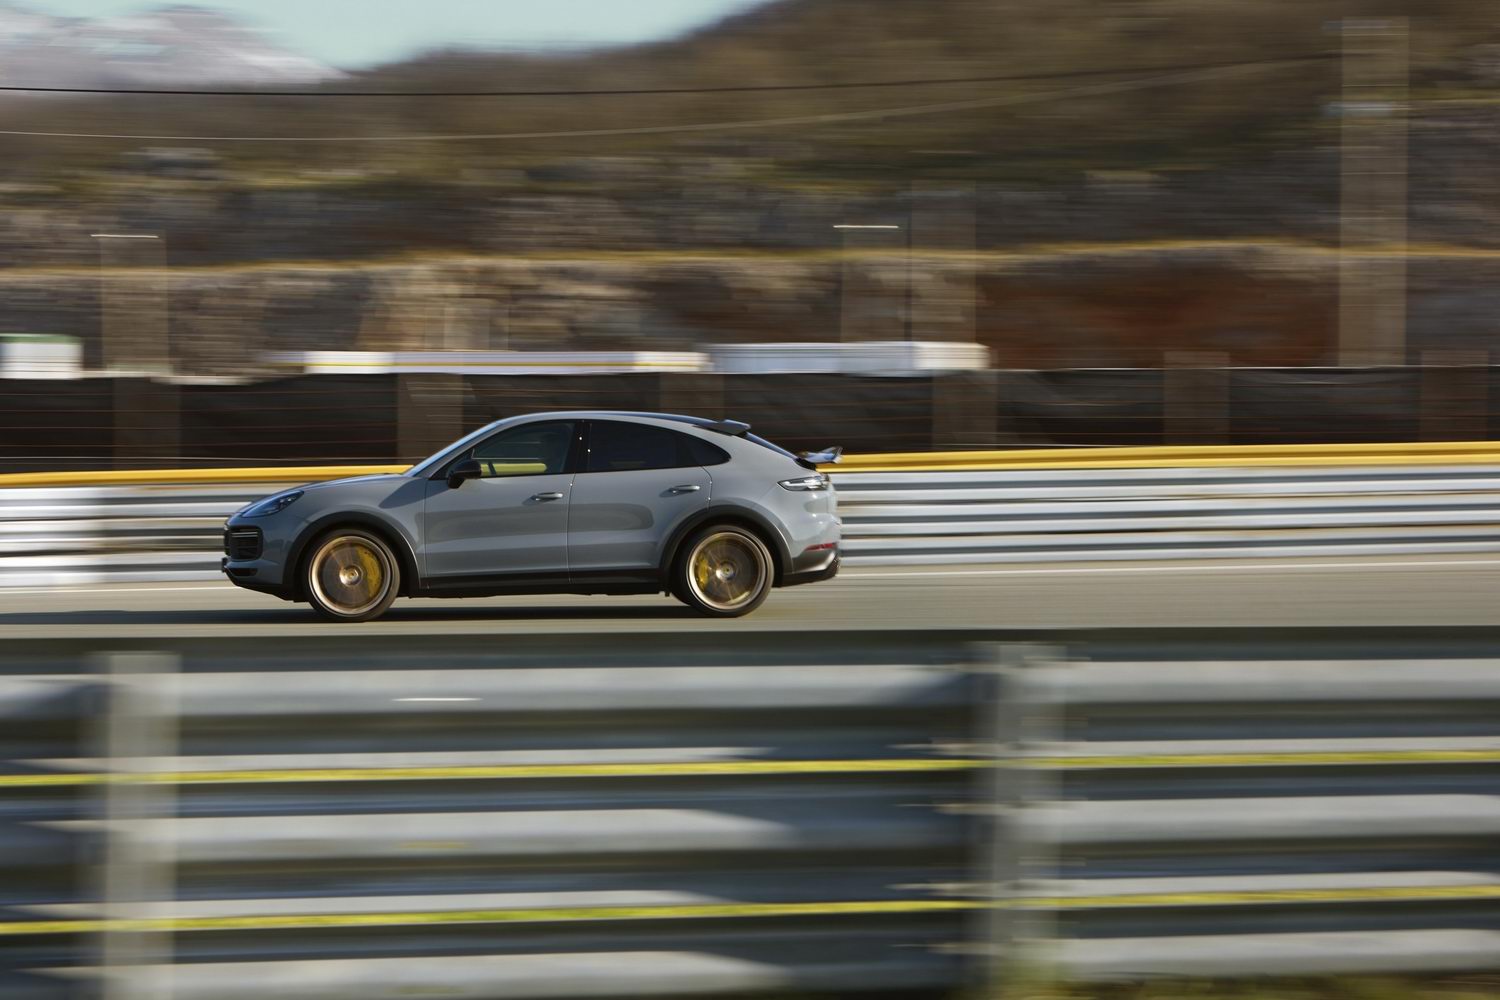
column 1118, row 307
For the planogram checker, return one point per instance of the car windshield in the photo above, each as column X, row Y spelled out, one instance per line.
column 431, row 462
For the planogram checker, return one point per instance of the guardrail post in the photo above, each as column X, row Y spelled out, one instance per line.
column 1018, row 935
column 138, row 871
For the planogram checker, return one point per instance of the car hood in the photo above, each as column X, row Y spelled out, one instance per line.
column 388, row 477
column 364, row 487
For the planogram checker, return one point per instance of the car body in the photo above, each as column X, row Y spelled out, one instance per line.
column 572, row 502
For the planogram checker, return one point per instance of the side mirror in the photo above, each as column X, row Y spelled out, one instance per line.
column 467, row 469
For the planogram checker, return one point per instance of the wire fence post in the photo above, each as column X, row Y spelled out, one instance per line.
column 138, row 870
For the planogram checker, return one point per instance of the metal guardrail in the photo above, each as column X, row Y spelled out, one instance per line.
column 172, row 532
column 1207, row 512
column 1258, row 811
column 512, row 818
column 538, row 816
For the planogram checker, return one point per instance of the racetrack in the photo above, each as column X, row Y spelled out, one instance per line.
column 1426, row 590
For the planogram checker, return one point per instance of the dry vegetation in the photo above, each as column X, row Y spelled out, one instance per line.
column 1053, row 124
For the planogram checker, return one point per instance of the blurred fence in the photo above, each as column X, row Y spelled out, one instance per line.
column 596, row 816
column 1019, row 515
column 83, row 535
column 516, row 817
column 134, row 423
column 1251, row 804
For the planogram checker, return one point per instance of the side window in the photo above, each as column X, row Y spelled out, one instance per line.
column 528, row 450
column 615, row 446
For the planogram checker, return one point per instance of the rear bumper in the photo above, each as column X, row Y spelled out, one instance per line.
column 826, row 570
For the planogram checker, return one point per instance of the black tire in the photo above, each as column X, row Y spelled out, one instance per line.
column 351, row 575
column 725, row 571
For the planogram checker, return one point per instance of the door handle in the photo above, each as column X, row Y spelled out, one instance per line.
column 547, row 496
column 685, row 489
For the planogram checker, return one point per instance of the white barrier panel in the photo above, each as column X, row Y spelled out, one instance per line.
column 488, row 362
column 98, row 534
column 874, row 357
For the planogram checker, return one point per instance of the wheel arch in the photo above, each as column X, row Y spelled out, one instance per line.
column 389, row 533
column 756, row 522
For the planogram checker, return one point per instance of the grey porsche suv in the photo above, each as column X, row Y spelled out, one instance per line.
column 553, row 503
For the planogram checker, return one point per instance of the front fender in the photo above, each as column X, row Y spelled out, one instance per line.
column 402, row 543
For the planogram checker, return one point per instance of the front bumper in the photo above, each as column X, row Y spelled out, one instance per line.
column 247, row 576
column 254, row 565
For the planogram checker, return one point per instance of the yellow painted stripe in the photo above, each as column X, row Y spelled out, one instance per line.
column 501, row 771
column 1263, row 896
column 1180, row 456
column 748, row 767
column 1296, row 757
column 154, row 477
column 1186, row 456
column 689, row 911
column 530, row 915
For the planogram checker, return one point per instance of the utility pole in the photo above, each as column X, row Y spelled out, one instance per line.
column 1372, row 216
column 133, row 303
column 136, row 348
column 868, row 308
column 943, row 220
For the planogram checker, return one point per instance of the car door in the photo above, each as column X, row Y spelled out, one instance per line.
column 513, row 520
column 635, row 485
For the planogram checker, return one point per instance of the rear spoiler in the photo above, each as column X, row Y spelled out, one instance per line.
column 813, row 459
column 807, row 459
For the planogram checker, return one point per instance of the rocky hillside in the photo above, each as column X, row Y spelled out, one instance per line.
column 1112, row 220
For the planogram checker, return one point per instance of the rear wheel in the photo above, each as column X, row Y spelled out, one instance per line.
column 725, row 572
column 351, row 576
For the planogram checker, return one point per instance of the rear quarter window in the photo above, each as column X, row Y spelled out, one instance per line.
column 702, row 452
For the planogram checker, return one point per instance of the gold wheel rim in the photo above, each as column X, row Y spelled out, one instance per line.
column 726, row 570
column 350, row 574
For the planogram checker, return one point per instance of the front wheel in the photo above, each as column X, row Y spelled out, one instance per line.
column 726, row 572
column 351, row 576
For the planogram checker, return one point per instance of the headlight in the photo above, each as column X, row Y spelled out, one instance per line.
column 806, row 484
column 272, row 505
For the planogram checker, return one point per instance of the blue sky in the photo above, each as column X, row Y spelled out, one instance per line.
column 353, row 33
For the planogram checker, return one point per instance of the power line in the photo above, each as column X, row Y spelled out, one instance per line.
column 648, row 91
column 832, row 118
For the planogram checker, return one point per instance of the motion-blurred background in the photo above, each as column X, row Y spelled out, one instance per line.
column 1066, row 722
column 1130, row 223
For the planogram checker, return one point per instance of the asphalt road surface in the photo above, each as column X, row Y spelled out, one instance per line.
column 1376, row 591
